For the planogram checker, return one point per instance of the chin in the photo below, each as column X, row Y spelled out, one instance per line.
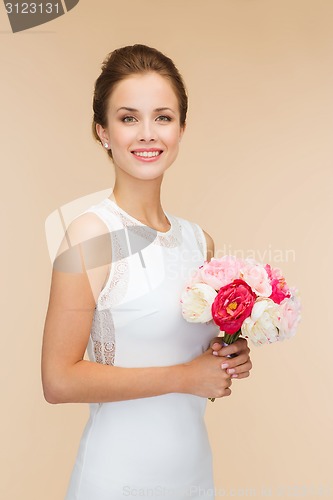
column 144, row 171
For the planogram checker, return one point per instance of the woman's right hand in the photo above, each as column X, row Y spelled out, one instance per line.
column 205, row 376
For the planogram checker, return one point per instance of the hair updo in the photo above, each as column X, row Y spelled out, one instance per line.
column 127, row 61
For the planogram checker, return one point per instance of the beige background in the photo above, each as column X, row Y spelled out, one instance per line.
column 256, row 162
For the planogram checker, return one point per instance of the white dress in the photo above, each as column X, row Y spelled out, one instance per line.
column 155, row 447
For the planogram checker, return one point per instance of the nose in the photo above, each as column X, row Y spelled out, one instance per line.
column 147, row 132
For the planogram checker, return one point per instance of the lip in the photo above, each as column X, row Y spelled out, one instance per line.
column 140, row 150
column 146, row 159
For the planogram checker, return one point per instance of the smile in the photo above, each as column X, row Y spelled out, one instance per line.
column 147, row 154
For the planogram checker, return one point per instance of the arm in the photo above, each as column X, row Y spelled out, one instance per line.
column 78, row 275
column 210, row 246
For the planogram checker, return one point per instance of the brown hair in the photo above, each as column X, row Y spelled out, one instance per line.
column 126, row 61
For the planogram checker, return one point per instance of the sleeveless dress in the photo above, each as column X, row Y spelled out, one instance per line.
column 154, row 447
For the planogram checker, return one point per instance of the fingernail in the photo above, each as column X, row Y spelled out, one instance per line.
column 231, row 370
column 224, row 365
column 215, row 353
column 234, row 375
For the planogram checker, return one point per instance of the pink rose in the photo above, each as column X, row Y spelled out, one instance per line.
column 280, row 289
column 256, row 276
column 289, row 315
column 219, row 272
column 232, row 305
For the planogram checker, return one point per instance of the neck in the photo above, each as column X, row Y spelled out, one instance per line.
column 140, row 198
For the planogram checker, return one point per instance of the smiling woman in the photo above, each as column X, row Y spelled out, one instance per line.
column 142, row 134
column 130, row 61
column 116, row 288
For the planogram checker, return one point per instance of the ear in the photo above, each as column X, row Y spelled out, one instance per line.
column 102, row 133
column 182, row 130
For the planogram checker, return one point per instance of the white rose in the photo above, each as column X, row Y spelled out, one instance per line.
column 197, row 300
column 262, row 326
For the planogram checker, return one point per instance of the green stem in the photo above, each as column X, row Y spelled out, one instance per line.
column 229, row 339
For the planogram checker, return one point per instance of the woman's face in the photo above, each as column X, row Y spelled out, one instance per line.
column 143, row 125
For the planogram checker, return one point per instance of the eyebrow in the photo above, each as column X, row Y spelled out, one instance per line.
column 137, row 111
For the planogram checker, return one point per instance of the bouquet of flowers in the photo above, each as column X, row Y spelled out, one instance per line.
column 243, row 297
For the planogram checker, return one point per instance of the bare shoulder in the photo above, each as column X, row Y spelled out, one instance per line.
column 82, row 229
column 86, row 245
column 210, row 245
column 84, row 256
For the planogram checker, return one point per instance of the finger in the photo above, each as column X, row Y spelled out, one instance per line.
column 233, row 362
column 242, row 340
column 234, row 348
column 245, row 367
column 216, row 340
column 237, row 376
column 224, row 393
column 210, row 350
column 228, row 382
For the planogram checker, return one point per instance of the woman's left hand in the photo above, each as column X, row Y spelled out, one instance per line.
column 238, row 366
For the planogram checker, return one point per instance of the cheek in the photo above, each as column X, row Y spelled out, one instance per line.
column 171, row 136
column 120, row 136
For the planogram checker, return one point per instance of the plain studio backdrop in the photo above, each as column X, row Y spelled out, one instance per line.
column 255, row 171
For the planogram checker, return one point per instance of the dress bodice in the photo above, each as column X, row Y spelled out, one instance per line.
column 148, row 273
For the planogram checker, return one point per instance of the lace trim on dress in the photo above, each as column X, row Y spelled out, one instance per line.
column 171, row 239
column 103, row 337
column 117, row 283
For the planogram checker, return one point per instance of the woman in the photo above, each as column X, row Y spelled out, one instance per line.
column 115, row 290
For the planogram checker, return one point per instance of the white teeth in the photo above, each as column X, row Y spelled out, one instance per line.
column 148, row 154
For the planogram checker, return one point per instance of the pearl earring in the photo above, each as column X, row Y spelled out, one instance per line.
column 106, row 145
